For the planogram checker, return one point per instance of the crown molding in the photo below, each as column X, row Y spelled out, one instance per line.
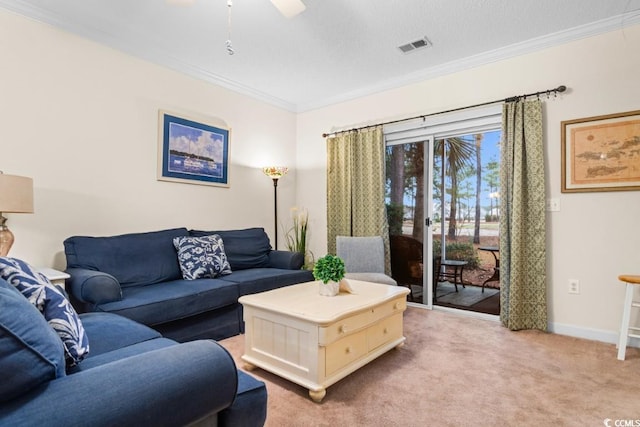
column 137, row 50
column 533, row 45
column 162, row 58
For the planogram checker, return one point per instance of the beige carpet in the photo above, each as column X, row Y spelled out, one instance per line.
column 459, row 371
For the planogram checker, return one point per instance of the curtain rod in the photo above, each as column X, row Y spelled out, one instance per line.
column 547, row 92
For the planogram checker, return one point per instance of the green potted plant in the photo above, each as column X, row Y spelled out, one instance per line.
column 330, row 271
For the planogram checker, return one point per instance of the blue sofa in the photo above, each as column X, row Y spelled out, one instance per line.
column 131, row 376
column 138, row 276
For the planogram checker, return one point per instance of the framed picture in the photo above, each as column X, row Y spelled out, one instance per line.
column 601, row 153
column 193, row 150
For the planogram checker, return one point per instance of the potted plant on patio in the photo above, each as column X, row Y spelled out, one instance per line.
column 330, row 271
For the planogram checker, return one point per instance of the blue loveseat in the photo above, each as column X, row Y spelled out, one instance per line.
column 139, row 276
column 131, row 376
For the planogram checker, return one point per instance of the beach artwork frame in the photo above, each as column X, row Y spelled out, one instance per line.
column 601, row 153
column 193, row 150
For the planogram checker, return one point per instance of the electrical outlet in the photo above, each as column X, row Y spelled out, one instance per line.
column 553, row 204
column 574, row 286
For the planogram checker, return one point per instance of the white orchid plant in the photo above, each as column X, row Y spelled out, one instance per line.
column 297, row 234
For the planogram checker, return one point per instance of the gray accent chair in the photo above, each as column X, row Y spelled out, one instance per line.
column 363, row 258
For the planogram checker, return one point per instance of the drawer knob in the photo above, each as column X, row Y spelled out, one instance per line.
column 385, row 331
column 397, row 305
column 343, row 329
column 348, row 350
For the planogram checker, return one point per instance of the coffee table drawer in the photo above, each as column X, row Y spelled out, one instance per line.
column 397, row 305
column 344, row 327
column 344, row 351
column 386, row 331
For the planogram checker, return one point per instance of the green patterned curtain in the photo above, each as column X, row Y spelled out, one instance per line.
column 355, row 187
column 523, row 294
column 338, row 188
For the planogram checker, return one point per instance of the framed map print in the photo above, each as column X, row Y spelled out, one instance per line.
column 601, row 153
column 193, row 150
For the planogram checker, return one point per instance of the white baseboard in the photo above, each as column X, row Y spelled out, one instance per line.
column 610, row 337
column 601, row 335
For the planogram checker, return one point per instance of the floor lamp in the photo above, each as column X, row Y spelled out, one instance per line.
column 275, row 173
column 16, row 196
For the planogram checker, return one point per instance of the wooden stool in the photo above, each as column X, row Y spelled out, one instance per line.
column 625, row 329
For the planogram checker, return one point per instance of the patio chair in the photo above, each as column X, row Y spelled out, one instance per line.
column 363, row 258
column 406, row 264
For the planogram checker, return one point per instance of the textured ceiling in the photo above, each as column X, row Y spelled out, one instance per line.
column 335, row 49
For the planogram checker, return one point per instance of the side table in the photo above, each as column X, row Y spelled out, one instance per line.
column 496, row 269
column 55, row 277
column 456, row 275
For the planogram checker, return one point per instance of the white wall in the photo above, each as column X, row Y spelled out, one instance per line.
column 82, row 120
column 595, row 236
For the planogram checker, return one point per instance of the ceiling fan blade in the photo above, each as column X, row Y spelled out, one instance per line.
column 289, row 8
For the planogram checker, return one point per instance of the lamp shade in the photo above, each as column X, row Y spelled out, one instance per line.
column 275, row 172
column 16, row 194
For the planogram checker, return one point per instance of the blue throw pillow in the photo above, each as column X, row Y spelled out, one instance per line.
column 52, row 303
column 201, row 257
column 246, row 248
column 31, row 353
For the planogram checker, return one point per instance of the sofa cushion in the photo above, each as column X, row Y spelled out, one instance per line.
column 110, row 332
column 176, row 299
column 201, row 257
column 248, row 248
column 133, row 259
column 31, row 353
column 264, row 279
column 123, row 352
column 250, row 405
column 51, row 302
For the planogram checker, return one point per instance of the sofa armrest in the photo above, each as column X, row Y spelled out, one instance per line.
column 286, row 259
column 176, row 385
column 94, row 287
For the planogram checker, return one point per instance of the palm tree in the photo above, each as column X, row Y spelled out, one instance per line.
column 456, row 153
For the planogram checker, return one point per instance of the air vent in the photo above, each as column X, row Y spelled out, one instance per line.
column 418, row 44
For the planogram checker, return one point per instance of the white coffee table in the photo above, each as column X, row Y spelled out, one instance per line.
column 315, row 341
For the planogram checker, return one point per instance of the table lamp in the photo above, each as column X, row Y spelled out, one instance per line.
column 16, row 196
column 275, row 173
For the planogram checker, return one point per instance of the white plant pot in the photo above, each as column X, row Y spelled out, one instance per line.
column 330, row 289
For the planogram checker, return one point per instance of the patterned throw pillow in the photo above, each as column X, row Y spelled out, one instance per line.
column 201, row 257
column 52, row 303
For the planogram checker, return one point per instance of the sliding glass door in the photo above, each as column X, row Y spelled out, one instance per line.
column 410, row 213
column 465, row 232
column 442, row 205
